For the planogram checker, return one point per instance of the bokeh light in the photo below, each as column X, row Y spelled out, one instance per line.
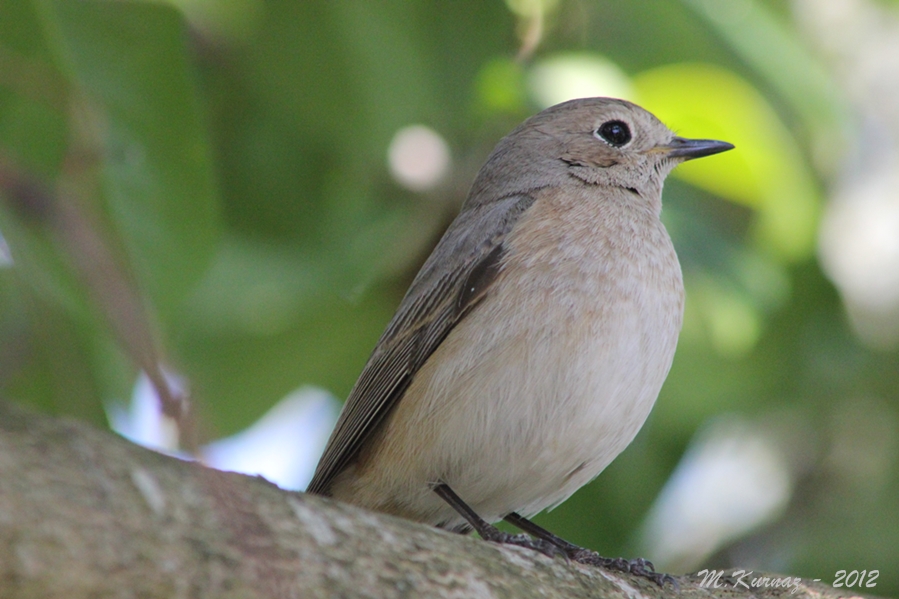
column 732, row 479
column 418, row 158
column 562, row 77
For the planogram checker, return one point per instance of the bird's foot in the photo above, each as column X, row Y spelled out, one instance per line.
column 489, row 532
column 497, row 536
column 638, row 567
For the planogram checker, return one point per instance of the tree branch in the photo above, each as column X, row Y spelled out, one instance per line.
column 84, row 513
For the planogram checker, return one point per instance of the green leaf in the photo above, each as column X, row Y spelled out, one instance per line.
column 766, row 171
column 771, row 47
column 130, row 60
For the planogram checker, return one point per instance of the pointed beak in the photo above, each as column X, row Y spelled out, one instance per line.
column 687, row 149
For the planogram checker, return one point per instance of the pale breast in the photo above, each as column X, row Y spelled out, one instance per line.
column 550, row 377
column 597, row 332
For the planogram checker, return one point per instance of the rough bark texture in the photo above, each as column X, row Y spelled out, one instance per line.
column 84, row 513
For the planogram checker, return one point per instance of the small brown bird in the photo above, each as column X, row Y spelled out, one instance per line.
column 532, row 344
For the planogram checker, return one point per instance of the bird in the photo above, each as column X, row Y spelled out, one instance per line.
column 532, row 344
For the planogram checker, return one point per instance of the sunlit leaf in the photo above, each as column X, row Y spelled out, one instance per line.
column 757, row 34
column 766, row 170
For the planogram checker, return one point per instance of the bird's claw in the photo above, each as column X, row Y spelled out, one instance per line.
column 638, row 567
column 523, row 540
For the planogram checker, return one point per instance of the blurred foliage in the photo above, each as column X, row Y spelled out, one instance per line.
column 228, row 161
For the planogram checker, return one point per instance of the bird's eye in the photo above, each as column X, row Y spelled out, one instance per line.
column 614, row 133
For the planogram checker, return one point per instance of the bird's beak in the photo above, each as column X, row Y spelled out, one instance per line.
column 687, row 149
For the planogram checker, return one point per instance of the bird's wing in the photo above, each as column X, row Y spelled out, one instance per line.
column 452, row 281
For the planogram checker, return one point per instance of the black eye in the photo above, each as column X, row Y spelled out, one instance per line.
column 615, row 133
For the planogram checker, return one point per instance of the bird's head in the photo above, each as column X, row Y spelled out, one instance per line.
column 600, row 141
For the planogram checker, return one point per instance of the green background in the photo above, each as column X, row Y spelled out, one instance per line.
column 232, row 159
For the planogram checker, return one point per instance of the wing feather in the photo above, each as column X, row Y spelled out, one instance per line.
column 456, row 276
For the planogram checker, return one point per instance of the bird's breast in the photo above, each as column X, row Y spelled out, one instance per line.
column 559, row 366
column 550, row 376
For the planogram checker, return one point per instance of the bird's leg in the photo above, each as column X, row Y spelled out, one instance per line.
column 638, row 567
column 489, row 532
